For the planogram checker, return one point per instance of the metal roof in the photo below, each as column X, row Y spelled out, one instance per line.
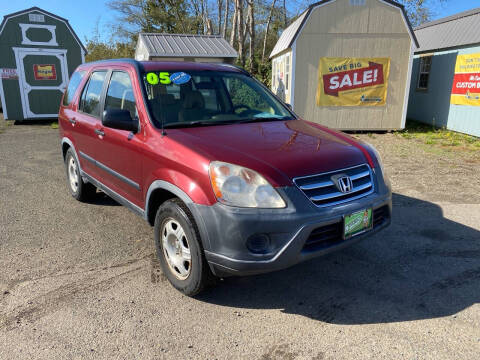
column 37, row 9
column 457, row 30
column 291, row 32
column 183, row 45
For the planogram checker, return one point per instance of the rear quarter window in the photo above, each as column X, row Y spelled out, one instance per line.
column 72, row 87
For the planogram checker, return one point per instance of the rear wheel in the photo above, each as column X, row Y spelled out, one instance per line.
column 179, row 248
column 79, row 189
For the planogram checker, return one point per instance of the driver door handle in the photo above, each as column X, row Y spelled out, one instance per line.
column 99, row 132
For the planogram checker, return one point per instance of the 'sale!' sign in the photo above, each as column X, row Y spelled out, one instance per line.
column 352, row 81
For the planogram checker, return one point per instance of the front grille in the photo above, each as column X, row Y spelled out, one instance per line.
column 332, row 234
column 322, row 191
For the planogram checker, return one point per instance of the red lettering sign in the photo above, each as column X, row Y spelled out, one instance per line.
column 353, row 79
column 44, row 72
column 466, row 83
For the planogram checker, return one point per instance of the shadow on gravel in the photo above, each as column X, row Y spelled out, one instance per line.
column 423, row 266
column 103, row 199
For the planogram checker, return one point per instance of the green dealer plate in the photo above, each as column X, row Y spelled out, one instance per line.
column 357, row 223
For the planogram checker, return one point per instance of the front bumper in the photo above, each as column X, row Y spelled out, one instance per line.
column 225, row 231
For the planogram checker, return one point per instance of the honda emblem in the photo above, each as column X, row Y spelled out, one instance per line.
column 345, row 184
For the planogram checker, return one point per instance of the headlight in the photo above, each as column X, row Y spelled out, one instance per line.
column 379, row 161
column 238, row 186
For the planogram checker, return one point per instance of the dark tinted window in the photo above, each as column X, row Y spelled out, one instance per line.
column 209, row 97
column 92, row 92
column 75, row 80
column 120, row 93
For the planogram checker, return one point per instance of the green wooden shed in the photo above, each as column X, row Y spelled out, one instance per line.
column 38, row 53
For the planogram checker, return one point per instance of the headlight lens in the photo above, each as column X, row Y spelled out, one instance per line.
column 238, row 186
column 379, row 161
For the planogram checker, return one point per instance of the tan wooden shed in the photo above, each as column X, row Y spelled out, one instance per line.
column 347, row 64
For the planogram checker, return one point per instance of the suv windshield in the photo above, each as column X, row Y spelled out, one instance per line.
column 191, row 98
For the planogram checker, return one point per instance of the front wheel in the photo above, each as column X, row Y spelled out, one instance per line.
column 79, row 189
column 179, row 249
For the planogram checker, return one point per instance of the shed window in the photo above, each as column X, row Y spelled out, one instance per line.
column 424, row 72
column 274, row 63
column 287, row 72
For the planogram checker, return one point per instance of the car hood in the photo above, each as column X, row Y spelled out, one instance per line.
column 279, row 150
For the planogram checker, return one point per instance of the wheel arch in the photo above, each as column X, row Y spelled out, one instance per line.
column 159, row 192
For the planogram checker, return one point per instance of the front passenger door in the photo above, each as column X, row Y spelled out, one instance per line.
column 120, row 157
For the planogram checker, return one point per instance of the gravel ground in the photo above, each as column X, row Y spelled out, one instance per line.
column 81, row 281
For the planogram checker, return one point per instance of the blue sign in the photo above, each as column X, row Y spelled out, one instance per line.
column 180, row 78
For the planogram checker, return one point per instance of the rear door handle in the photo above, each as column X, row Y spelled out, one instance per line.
column 72, row 121
column 99, row 132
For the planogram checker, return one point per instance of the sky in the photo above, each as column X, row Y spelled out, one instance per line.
column 83, row 14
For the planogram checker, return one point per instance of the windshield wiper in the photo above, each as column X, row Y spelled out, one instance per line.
column 182, row 124
column 260, row 119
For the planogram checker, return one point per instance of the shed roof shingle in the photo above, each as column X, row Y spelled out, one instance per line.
column 187, row 45
column 457, row 30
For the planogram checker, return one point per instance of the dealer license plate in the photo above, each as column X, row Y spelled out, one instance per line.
column 357, row 223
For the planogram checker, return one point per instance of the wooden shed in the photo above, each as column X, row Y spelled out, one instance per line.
column 347, row 64
column 39, row 51
column 184, row 47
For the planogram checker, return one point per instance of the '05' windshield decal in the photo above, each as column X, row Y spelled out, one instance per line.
column 166, row 78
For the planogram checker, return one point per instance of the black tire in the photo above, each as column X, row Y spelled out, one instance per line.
column 83, row 191
column 199, row 276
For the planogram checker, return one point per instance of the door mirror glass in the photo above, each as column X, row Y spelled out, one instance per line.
column 119, row 119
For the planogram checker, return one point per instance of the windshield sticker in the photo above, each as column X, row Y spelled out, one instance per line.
column 152, row 78
column 180, row 78
column 162, row 78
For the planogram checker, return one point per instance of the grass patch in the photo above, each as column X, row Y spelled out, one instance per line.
column 438, row 136
column 54, row 125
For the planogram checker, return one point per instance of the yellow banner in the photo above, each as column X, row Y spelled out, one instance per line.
column 352, row 81
column 466, row 81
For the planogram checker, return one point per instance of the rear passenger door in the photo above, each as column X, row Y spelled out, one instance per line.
column 120, row 151
column 87, row 120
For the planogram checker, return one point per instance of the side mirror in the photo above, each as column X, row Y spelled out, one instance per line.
column 119, row 119
column 289, row 106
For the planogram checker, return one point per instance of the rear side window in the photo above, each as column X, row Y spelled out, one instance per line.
column 90, row 102
column 75, row 81
column 120, row 93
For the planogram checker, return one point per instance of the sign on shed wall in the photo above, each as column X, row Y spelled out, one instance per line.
column 466, row 82
column 352, row 81
column 44, row 72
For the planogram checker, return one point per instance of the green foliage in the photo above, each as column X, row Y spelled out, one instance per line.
column 98, row 50
column 431, row 135
column 242, row 94
column 168, row 16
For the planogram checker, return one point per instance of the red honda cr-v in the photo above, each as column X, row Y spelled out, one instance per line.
column 232, row 180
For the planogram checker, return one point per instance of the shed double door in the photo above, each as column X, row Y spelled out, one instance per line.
column 43, row 76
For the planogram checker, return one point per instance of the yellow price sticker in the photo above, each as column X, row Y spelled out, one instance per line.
column 162, row 78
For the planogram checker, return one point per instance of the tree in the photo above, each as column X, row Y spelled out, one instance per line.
column 420, row 11
column 169, row 16
column 98, row 49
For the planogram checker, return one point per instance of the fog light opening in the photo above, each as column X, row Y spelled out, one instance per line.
column 259, row 243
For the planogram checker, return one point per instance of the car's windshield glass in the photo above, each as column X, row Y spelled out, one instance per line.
column 190, row 98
